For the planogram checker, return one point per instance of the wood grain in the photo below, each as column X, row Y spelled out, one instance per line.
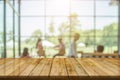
column 60, row 68
column 31, row 65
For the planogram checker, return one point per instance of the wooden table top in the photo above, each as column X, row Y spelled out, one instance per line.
column 60, row 67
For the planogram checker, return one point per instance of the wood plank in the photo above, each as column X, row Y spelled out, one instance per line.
column 1, row 61
column 58, row 70
column 6, row 63
column 17, row 64
column 91, row 68
column 70, row 68
column 62, row 67
column 110, row 68
column 45, row 72
column 46, row 69
column 102, row 68
column 111, row 61
column 11, row 67
column 36, row 71
column 115, row 67
column 22, row 64
column 78, row 68
column 114, row 61
column 30, row 67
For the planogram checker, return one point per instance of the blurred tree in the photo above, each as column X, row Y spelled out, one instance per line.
column 89, row 40
column 74, row 22
column 63, row 29
column 68, row 28
column 51, row 28
column 110, row 30
column 36, row 33
column 109, row 34
column 10, row 36
column 2, row 37
column 33, row 38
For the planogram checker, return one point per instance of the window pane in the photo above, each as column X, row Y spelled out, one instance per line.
column 106, row 26
column 9, row 30
column 32, row 8
column 32, row 26
column 86, row 44
column 57, row 7
column 82, row 7
column 57, row 26
column 1, row 30
column 95, row 20
column 16, row 47
column 16, row 35
column 86, row 26
column 104, row 8
column 109, row 43
column 16, row 6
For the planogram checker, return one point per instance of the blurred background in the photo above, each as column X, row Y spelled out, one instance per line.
column 22, row 22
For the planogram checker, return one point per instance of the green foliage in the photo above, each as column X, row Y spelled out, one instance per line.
column 106, row 36
column 110, row 35
column 33, row 38
column 36, row 33
column 1, row 37
column 88, row 37
column 110, row 30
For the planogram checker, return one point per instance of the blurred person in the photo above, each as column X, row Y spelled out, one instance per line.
column 100, row 49
column 73, row 45
column 39, row 47
column 60, row 47
column 25, row 53
column 116, row 52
